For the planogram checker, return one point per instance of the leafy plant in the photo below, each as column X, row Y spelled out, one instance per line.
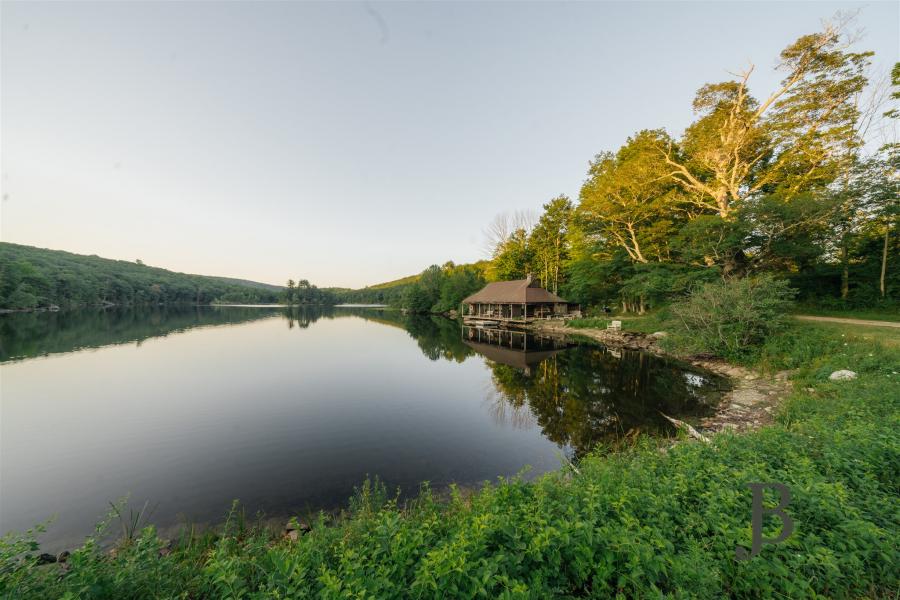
column 730, row 317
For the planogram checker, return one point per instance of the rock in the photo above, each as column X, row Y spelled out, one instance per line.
column 45, row 559
column 659, row 334
column 842, row 375
column 294, row 529
column 750, row 377
column 63, row 556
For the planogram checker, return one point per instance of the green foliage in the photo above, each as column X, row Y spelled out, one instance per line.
column 629, row 200
column 38, row 334
column 446, row 286
column 594, row 281
column 636, row 524
column 304, row 293
column 589, row 323
column 513, row 258
column 781, row 185
column 728, row 318
column 440, row 289
column 390, row 294
column 656, row 283
column 549, row 244
column 35, row 277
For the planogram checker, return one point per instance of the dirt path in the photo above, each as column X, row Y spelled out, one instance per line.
column 848, row 321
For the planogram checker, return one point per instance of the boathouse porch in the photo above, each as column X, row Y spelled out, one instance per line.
column 518, row 301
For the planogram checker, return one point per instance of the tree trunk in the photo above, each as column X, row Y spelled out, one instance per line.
column 845, row 270
column 735, row 265
column 637, row 246
column 884, row 253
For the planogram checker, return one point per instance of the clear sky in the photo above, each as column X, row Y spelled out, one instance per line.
column 346, row 143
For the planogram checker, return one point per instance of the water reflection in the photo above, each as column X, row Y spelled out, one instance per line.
column 584, row 395
column 289, row 409
column 28, row 335
column 33, row 334
column 513, row 348
column 578, row 395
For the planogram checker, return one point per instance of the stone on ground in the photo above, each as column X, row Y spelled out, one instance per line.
column 842, row 375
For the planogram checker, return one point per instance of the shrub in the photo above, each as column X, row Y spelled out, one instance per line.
column 730, row 317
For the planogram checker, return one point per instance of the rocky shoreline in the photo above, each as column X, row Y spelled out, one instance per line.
column 749, row 404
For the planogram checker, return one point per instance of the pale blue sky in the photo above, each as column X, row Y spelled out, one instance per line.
column 346, row 143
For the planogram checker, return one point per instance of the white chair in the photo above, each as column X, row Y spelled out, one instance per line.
column 615, row 326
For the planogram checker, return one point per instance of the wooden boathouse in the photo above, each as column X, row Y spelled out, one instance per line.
column 515, row 302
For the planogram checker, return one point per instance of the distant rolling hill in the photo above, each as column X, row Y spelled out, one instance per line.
column 249, row 283
column 38, row 277
column 395, row 283
column 390, row 292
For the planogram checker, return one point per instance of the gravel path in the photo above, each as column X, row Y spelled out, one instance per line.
column 848, row 321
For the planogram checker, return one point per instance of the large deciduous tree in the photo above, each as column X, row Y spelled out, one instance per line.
column 629, row 201
column 799, row 138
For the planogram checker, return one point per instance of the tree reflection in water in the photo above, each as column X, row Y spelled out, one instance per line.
column 584, row 395
column 579, row 395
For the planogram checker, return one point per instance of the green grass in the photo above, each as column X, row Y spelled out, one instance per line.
column 642, row 523
column 648, row 323
column 589, row 323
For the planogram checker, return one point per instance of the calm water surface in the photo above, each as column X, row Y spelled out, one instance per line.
column 289, row 410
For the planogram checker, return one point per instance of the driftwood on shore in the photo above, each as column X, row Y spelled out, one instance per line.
column 690, row 430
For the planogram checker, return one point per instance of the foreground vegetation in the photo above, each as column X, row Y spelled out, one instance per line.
column 639, row 523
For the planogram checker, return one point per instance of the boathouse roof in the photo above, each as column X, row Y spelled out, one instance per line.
column 518, row 291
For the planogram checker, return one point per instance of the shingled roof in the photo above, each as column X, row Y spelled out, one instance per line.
column 518, row 291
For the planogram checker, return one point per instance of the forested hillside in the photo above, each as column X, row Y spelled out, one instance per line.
column 389, row 292
column 36, row 277
column 436, row 289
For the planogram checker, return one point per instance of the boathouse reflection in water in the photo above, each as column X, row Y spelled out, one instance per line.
column 584, row 395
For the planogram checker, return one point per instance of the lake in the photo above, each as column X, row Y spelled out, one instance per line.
column 288, row 410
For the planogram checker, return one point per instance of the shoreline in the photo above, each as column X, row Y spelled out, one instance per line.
column 111, row 305
column 748, row 405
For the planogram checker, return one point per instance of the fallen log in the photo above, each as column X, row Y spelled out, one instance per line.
column 690, row 430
